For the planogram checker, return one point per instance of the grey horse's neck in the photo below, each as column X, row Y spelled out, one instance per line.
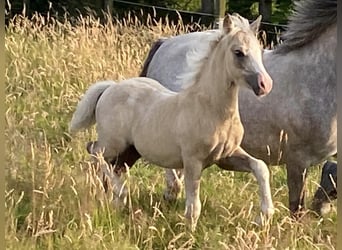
column 317, row 59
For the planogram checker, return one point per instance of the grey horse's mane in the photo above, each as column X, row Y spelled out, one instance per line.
column 309, row 20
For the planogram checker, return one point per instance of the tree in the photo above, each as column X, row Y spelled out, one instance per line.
column 207, row 6
column 265, row 9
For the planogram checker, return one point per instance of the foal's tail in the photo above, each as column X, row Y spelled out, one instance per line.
column 84, row 116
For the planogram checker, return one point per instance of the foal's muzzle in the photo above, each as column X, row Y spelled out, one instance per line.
column 261, row 83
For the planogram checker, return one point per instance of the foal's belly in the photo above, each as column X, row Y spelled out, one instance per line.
column 162, row 154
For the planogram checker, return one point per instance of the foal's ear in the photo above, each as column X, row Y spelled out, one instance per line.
column 228, row 24
column 256, row 24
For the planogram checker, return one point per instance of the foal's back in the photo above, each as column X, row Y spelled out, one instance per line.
column 122, row 105
column 134, row 92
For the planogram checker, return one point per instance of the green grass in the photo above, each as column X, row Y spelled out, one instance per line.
column 53, row 201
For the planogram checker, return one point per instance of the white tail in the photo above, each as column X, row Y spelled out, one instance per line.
column 84, row 116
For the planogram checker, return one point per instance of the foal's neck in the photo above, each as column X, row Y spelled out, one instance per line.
column 214, row 85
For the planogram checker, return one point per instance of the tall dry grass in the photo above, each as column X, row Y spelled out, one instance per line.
column 53, row 199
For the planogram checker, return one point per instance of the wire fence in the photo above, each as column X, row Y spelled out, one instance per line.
column 164, row 8
column 272, row 30
column 154, row 7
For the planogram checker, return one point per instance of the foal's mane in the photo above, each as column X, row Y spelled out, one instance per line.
column 197, row 58
column 309, row 20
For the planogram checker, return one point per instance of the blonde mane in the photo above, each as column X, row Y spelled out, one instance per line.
column 197, row 57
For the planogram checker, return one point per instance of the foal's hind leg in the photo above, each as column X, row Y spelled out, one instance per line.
column 173, row 178
column 111, row 178
column 127, row 158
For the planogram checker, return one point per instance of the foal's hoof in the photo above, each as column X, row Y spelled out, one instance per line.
column 172, row 194
column 268, row 210
column 264, row 218
column 120, row 200
column 173, row 190
column 119, row 203
column 90, row 146
column 191, row 224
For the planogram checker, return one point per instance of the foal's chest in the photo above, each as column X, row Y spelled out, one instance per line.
column 226, row 139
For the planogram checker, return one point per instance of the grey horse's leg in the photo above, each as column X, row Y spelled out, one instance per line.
column 327, row 190
column 296, row 177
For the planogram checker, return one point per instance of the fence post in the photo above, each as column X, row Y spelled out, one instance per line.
column 219, row 11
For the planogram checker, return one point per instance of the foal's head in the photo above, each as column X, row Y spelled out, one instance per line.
column 243, row 54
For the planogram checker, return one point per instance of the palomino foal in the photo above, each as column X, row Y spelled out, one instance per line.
column 191, row 129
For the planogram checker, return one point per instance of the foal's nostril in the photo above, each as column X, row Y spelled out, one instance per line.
column 262, row 84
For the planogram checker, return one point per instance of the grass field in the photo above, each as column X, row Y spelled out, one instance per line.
column 53, row 200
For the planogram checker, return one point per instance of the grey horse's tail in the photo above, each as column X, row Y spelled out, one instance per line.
column 84, row 116
column 153, row 50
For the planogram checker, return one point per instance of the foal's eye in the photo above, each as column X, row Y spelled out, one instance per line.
column 239, row 53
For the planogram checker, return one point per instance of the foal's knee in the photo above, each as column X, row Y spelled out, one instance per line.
column 261, row 170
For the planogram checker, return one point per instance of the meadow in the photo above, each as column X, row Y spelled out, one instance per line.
column 53, row 199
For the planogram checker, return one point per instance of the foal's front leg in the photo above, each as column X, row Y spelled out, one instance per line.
column 192, row 178
column 174, row 178
column 262, row 174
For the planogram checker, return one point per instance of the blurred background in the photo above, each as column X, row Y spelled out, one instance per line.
column 202, row 12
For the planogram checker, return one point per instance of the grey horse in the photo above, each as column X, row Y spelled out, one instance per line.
column 296, row 124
